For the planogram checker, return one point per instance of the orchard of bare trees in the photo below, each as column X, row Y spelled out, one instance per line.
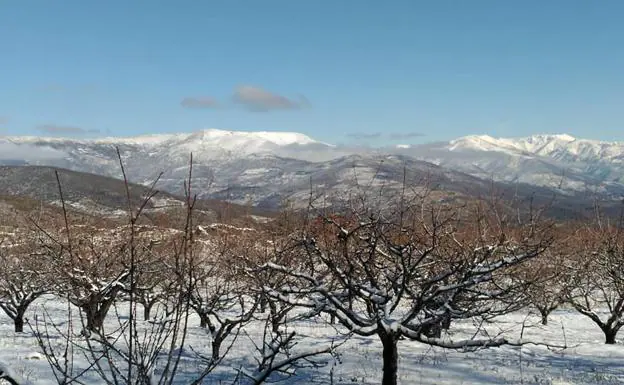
column 399, row 270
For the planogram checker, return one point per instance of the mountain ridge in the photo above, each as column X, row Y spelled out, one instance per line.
column 550, row 145
column 103, row 196
column 264, row 168
column 277, row 137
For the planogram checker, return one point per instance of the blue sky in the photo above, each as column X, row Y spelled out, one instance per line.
column 341, row 70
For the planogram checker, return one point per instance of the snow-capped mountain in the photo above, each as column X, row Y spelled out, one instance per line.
column 267, row 167
column 561, row 147
column 558, row 161
column 533, row 144
column 241, row 166
column 209, row 143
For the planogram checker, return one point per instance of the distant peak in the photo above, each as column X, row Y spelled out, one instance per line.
column 566, row 137
column 537, row 138
column 209, row 140
column 562, row 137
column 277, row 137
column 474, row 138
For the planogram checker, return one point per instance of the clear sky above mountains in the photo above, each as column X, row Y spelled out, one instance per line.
column 356, row 71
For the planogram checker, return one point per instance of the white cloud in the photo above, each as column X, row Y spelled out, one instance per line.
column 364, row 135
column 405, row 135
column 56, row 129
column 28, row 152
column 260, row 100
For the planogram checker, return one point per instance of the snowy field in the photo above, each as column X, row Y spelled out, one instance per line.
column 587, row 360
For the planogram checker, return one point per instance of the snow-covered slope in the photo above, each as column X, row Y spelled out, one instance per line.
column 147, row 156
column 557, row 160
column 558, row 147
column 240, row 142
column 268, row 166
column 240, row 166
column 586, row 361
column 531, row 144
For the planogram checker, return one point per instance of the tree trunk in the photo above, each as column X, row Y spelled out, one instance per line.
column 275, row 325
column 275, row 316
column 216, row 348
column 544, row 313
column 204, row 322
column 609, row 335
column 16, row 313
column 147, row 310
column 390, row 358
column 95, row 320
column 19, row 323
column 95, row 312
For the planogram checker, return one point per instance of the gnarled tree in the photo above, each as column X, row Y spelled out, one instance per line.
column 396, row 270
column 596, row 269
column 23, row 277
column 546, row 280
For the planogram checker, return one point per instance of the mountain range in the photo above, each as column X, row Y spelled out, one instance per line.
column 266, row 169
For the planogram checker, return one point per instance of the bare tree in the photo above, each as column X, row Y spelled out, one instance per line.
column 23, row 277
column 276, row 354
column 151, row 288
column 547, row 280
column 597, row 275
column 91, row 273
column 395, row 270
column 222, row 303
column 95, row 266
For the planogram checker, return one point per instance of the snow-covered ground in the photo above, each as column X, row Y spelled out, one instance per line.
column 587, row 360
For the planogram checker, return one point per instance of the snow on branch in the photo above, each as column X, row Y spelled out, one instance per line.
column 8, row 375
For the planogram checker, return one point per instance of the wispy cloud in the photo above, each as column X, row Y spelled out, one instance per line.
column 260, row 100
column 364, row 135
column 201, row 102
column 405, row 135
column 56, row 129
column 384, row 135
column 27, row 152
